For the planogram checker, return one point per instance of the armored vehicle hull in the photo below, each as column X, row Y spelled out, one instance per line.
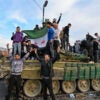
column 69, row 77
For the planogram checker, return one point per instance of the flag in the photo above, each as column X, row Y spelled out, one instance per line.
column 37, row 37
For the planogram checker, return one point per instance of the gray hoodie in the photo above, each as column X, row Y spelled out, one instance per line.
column 17, row 65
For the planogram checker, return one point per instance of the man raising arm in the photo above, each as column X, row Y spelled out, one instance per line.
column 47, row 72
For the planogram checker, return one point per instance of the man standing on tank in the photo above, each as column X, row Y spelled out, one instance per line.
column 49, row 46
column 17, row 39
column 66, row 36
column 47, row 72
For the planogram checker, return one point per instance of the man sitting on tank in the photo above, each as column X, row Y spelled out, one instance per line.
column 47, row 72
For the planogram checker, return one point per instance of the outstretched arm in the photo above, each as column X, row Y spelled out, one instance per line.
column 35, row 50
column 27, row 55
column 59, row 18
column 57, row 56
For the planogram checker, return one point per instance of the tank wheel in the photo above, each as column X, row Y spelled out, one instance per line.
column 83, row 85
column 32, row 88
column 68, row 86
column 96, row 84
column 56, row 86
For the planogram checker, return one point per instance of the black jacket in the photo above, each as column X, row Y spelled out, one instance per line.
column 95, row 46
column 66, row 30
column 47, row 67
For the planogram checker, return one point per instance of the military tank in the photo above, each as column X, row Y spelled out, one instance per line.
column 70, row 76
column 72, row 73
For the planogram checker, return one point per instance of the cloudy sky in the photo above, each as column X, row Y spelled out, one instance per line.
column 83, row 14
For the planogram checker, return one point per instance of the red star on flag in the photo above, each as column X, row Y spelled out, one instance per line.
column 42, row 42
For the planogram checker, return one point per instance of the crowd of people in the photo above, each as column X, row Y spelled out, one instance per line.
column 56, row 38
column 90, row 47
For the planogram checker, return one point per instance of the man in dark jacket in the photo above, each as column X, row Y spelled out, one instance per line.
column 66, row 35
column 95, row 51
column 47, row 73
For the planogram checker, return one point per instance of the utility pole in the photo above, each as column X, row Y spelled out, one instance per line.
column 44, row 5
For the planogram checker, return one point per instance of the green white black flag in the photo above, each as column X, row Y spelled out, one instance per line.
column 37, row 37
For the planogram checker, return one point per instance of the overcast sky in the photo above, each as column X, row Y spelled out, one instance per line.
column 83, row 14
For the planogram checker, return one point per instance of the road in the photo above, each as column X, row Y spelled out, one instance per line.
column 3, row 93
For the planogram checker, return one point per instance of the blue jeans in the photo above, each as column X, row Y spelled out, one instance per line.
column 17, row 47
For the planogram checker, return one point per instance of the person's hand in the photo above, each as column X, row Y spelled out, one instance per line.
column 58, row 49
column 35, row 50
column 51, row 41
column 31, row 49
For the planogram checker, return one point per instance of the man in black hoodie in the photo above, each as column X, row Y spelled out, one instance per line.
column 47, row 72
column 66, row 35
column 95, row 50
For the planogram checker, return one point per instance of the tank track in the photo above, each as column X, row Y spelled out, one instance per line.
column 62, row 96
